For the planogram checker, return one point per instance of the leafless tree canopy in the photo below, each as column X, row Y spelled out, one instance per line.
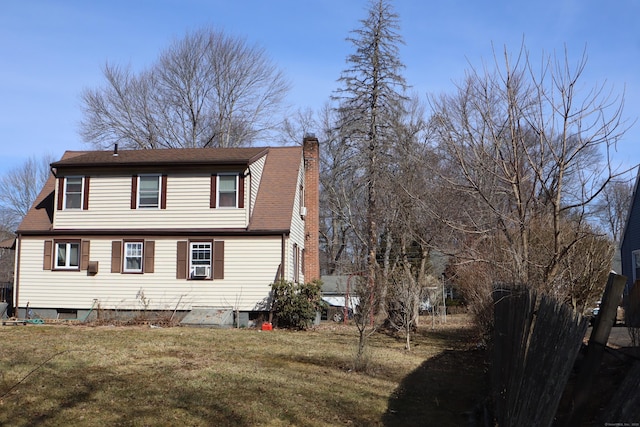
column 613, row 207
column 528, row 153
column 18, row 190
column 207, row 89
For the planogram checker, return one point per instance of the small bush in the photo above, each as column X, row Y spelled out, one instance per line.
column 295, row 304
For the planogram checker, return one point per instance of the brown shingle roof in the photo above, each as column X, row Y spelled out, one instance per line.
column 8, row 244
column 274, row 204
column 169, row 156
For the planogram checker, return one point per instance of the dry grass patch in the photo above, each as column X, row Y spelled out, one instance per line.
column 78, row 375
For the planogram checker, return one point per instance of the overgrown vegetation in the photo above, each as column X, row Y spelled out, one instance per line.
column 295, row 305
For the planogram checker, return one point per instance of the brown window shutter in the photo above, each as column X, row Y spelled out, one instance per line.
column 149, row 255
column 163, row 194
column 214, row 191
column 84, row 247
column 60, row 192
column 218, row 259
column 116, row 256
column 241, row 191
column 134, row 191
column 181, row 259
column 48, row 248
column 85, row 202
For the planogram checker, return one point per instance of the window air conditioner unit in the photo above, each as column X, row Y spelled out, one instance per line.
column 201, row 271
column 303, row 211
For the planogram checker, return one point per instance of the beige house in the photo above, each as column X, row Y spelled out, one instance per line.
column 169, row 230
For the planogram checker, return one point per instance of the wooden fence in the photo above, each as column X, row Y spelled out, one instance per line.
column 535, row 343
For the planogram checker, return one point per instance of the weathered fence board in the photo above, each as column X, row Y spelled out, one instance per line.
column 536, row 341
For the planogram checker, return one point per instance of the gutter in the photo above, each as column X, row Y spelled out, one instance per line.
column 157, row 232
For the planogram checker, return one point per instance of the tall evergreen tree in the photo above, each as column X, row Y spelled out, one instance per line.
column 372, row 94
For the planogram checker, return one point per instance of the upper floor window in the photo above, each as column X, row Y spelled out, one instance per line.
column 227, row 191
column 73, row 192
column 149, row 191
column 68, row 255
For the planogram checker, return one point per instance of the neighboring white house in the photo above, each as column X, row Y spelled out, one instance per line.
column 169, row 230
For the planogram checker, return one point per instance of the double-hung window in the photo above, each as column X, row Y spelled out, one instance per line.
column 149, row 191
column 200, row 260
column 67, row 255
column 228, row 191
column 133, row 257
column 73, row 192
column 296, row 263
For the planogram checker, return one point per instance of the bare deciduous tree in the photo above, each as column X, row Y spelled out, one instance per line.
column 613, row 207
column 529, row 155
column 19, row 188
column 207, row 89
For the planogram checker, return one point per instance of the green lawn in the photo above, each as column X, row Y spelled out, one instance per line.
column 141, row 376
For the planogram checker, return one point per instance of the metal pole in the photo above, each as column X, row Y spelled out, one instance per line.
column 444, row 301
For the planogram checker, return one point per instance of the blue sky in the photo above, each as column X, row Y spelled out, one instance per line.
column 51, row 50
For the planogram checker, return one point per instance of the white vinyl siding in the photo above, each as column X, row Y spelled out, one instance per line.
column 187, row 207
column 255, row 177
column 242, row 288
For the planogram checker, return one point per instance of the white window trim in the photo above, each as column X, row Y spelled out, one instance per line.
column 192, row 266
column 237, row 176
column 124, row 257
column 64, row 200
column 67, row 265
column 159, row 178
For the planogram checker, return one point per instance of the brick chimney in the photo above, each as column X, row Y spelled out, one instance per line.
column 311, row 154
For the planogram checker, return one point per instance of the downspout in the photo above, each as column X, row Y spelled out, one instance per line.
column 16, row 277
column 280, row 272
column 282, row 255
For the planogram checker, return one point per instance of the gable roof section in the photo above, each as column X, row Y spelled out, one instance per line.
column 40, row 215
column 163, row 157
column 278, row 186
